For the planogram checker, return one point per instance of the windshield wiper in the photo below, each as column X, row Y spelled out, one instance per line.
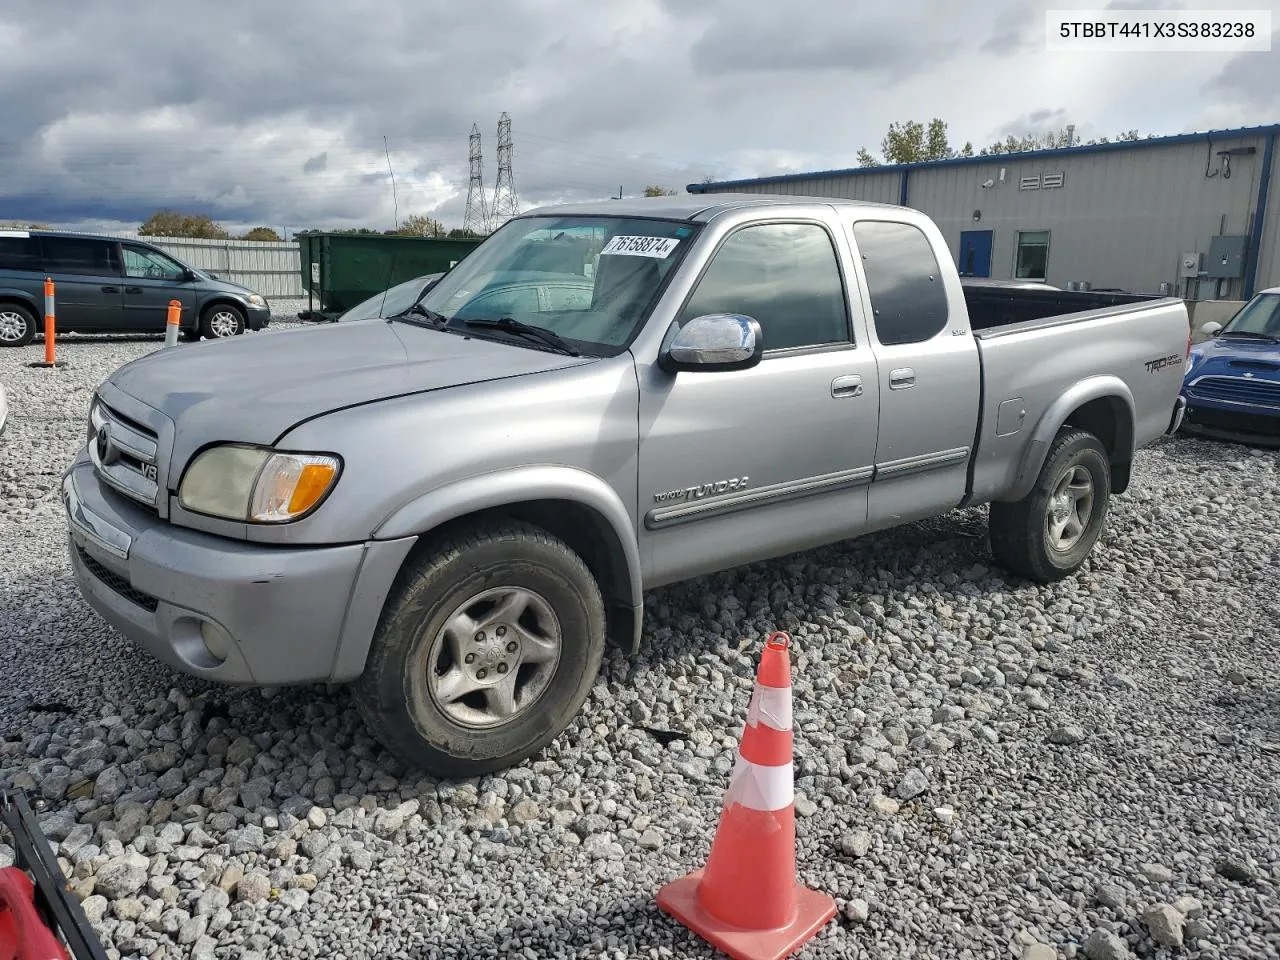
column 435, row 321
column 1250, row 334
column 509, row 325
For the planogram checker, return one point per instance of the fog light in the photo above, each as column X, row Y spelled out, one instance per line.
column 215, row 641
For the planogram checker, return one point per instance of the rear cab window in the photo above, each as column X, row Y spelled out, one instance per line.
column 904, row 282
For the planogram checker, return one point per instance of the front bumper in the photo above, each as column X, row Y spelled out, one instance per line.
column 1234, row 425
column 257, row 318
column 223, row 609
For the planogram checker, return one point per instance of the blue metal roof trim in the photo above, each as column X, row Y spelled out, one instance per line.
column 1267, row 130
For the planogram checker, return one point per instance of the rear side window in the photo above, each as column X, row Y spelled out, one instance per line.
column 81, row 256
column 908, row 300
column 19, row 253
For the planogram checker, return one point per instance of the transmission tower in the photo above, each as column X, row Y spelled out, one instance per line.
column 476, row 218
column 505, row 202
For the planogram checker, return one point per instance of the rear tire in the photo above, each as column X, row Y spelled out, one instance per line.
column 1047, row 535
column 220, row 321
column 17, row 325
column 488, row 646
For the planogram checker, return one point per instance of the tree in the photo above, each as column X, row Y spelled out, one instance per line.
column 418, row 225
column 462, row 233
column 909, row 141
column 264, row 234
column 1052, row 140
column 170, row 223
column 656, row 191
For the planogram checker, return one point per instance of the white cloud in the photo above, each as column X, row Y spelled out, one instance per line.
column 275, row 113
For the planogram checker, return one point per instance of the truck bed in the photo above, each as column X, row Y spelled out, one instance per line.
column 1033, row 356
column 992, row 305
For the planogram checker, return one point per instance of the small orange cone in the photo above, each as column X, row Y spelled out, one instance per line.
column 746, row 901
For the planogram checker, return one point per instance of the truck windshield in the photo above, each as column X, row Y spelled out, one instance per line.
column 589, row 280
column 1260, row 317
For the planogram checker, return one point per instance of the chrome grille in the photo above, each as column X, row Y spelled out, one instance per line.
column 123, row 454
column 1241, row 390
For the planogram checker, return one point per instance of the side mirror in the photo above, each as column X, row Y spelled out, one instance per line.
column 1210, row 329
column 714, row 341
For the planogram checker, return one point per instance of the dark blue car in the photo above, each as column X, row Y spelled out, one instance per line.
column 1232, row 383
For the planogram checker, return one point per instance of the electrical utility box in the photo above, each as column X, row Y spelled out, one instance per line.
column 1189, row 265
column 1226, row 257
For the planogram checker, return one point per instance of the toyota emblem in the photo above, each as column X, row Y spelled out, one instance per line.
column 107, row 452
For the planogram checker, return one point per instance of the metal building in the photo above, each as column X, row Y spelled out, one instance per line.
column 1195, row 215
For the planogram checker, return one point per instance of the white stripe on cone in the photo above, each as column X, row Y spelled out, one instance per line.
column 770, row 706
column 760, row 788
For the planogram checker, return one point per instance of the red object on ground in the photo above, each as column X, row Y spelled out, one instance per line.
column 746, row 901
column 23, row 935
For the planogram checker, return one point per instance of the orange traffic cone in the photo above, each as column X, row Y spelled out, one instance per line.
column 746, row 901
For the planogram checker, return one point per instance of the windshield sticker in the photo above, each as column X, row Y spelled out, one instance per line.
column 658, row 247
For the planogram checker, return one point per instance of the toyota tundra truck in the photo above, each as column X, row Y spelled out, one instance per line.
column 456, row 508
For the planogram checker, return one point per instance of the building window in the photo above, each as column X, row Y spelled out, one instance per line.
column 1032, row 262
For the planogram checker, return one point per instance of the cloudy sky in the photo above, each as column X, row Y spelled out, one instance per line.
column 274, row 111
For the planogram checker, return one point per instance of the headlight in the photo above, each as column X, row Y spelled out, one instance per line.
column 256, row 300
column 256, row 485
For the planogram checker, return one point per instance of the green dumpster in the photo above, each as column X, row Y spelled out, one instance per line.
column 340, row 270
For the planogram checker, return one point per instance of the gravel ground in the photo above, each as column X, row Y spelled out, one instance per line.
column 983, row 766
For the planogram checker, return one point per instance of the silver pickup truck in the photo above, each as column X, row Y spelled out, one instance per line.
column 456, row 507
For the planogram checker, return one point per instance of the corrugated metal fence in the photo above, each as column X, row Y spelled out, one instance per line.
column 269, row 268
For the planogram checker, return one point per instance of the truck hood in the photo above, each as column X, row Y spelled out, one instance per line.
column 1234, row 358
column 252, row 389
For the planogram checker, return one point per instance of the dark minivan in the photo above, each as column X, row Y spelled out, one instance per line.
column 107, row 285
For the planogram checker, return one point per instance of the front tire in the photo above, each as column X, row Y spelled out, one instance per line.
column 1047, row 535
column 488, row 646
column 220, row 321
column 17, row 325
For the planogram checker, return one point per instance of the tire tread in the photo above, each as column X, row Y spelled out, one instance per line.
column 401, row 608
column 1010, row 525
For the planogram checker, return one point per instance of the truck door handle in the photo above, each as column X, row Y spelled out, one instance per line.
column 902, row 379
column 110, row 289
column 850, row 386
column 132, row 289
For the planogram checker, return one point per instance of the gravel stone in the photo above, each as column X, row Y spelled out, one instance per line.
column 95, row 907
column 1112, row 895
column 912, row 785
column 1067, row 736
column 857, row 910
column 1188, row 907
column 1105, row 945
column 855, row 843
column 121, row 877
column 1139, row 650
column 1156, row 873
column 886, row 806
column 253, row 888
column 1236, row 869
column 1164, row 923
